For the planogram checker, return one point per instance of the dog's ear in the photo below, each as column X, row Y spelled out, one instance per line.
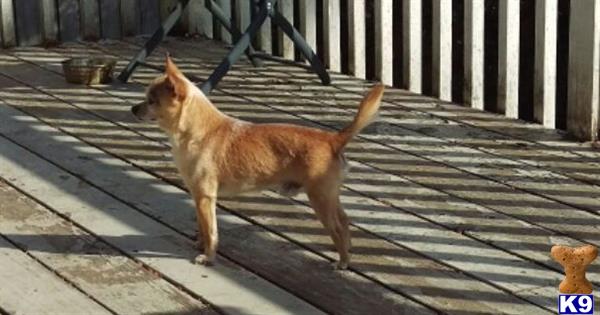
column 175, row 79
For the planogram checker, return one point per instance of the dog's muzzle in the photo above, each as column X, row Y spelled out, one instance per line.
column 135, row 110
column 140, row 112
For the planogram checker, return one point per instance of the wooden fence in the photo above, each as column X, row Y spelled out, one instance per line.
column 536, row 60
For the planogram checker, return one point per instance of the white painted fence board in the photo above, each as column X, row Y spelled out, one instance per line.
column 384, row 55
column 412, row 39
column 331, row 34
column 442, row 49
column 166, row 6
column 544, row 89
column 7, row 25
column 242, row 14
column 286, row 46
column 473, row 53
column 29, row 288
column 49, row 20
column 508, row 57
column 129, row 17
column 197, row 19
column 90, row 19
column 308, row 22
column 265, row 37
column 228, row 287
column 356, row 36
column 206, row 18
column 584, row 46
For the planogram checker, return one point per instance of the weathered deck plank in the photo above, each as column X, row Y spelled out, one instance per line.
column 46, row 292
column 481, row 288
column 239, row 240
column 117, row 282
column 552, row 281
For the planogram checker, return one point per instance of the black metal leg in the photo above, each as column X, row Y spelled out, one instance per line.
column 299, row 41
column 154, row 41
column 242, row 44
column 217, row 12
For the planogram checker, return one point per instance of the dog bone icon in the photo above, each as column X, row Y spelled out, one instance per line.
column 574, row 261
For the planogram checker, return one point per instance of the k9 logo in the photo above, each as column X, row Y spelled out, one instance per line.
column 575, row 304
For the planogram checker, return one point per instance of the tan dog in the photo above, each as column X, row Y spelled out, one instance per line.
column 220, row 155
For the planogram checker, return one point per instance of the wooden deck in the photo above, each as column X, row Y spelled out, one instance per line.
column 453, row 210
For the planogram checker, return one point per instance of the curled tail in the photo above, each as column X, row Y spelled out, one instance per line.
column 366, row 112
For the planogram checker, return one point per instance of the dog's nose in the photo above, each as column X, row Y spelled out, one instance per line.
column 135, row 109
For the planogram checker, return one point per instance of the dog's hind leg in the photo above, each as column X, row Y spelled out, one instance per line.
column 324, row 198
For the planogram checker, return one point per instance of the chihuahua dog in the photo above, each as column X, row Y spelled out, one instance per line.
column 220, row 155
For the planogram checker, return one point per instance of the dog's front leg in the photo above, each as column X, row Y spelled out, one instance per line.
column 206, row 217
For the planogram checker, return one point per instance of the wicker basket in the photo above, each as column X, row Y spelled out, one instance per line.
column 88, row 71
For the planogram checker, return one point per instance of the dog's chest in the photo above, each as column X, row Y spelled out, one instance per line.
column 188, row 161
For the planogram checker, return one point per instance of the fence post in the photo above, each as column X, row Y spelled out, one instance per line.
column 129, row 17
column 356, row 36
column 49, row 20
column 286, row 46
column 584, row 59
column 265, row 37
column 331, row 31
column 544, row 90
column 508, row 57
column 474, row 36
column 384, row 58
column 412, row 23
column 7, row 25
column 222, row 31
column 90, row 19
column 308, row 22
column 442, row 49
column 197, row 19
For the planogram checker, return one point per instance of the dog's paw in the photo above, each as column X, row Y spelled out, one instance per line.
column 204, row 260
column 340, row 265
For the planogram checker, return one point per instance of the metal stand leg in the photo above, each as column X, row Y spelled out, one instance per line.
column 242, row 44
column 233, row 30
column 154, row 41
column 299, row 41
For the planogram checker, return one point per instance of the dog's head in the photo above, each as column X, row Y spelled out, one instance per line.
column 165, row 97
